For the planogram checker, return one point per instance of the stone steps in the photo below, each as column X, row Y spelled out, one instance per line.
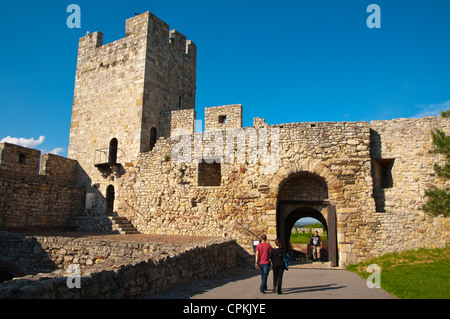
column 122, row 225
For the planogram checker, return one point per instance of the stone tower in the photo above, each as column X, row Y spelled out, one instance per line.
column 123, row 93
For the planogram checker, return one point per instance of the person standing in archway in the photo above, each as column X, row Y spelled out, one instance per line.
column 262, row 261
column 316, row 245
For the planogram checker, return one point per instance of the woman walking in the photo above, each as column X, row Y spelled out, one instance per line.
column 276, row 256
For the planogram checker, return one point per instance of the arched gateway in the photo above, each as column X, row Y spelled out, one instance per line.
column 303, row 191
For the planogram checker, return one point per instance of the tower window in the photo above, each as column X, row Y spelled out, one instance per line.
column 22, row 158
column 222, row 119
column 179, row 101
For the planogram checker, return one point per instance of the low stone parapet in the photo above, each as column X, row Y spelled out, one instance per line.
column 128, row 270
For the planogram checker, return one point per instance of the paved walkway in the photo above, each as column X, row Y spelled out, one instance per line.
column 299, row 282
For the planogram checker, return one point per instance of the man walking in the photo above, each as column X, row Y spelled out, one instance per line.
column 262, row 261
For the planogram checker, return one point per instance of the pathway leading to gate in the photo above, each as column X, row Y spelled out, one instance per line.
column 316, row 282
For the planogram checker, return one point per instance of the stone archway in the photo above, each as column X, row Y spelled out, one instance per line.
column 301, row 195
column 301, row 212
column 335, row 188
column 307, row 193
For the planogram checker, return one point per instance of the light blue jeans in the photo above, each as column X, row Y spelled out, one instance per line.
column 265, row 268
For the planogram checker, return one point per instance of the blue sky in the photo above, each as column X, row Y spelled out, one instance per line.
column 285, row 61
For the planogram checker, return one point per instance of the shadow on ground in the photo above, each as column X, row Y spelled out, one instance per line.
column 204, row 285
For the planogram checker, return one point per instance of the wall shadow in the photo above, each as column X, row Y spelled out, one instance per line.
column 22, row 255
column 376, row 154
column 92, row 216
column 204, row 285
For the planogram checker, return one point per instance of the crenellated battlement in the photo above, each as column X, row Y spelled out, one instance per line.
column 26, row 162
column 144, row 26
column 225, row 116
column 91, row 40
column 36, row 191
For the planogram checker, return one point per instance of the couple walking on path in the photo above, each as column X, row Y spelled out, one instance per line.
column 267, row 256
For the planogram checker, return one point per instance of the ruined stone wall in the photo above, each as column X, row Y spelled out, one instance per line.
column 28, row 199
column 402, row 224
column 108, row 269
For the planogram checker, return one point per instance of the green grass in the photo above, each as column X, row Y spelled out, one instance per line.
column 305, row 238
column 415, row 274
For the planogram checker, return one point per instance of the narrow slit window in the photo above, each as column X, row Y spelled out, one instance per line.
column 152, row 138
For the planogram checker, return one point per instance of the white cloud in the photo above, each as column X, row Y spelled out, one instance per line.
column 56, row 151
column 26, row 142
column 432, row 109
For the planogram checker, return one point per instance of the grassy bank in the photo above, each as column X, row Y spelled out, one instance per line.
column 301, row 238
column 417, row 274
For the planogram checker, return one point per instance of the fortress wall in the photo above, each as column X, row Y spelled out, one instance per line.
column 165, row 196
column 218, row 182
column 181, row 120
column 407, row 143
column 19, row 160
column 162, row 195
column 28, row 199
column 58, row 169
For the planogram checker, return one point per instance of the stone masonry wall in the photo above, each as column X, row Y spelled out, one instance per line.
column 18, row 160
column 223, row 117
column 108, row 269
column 179, row 119
column 58, row 169
column 402, row 224
column 374, row 174
column 161, row 195
column 30, row 199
